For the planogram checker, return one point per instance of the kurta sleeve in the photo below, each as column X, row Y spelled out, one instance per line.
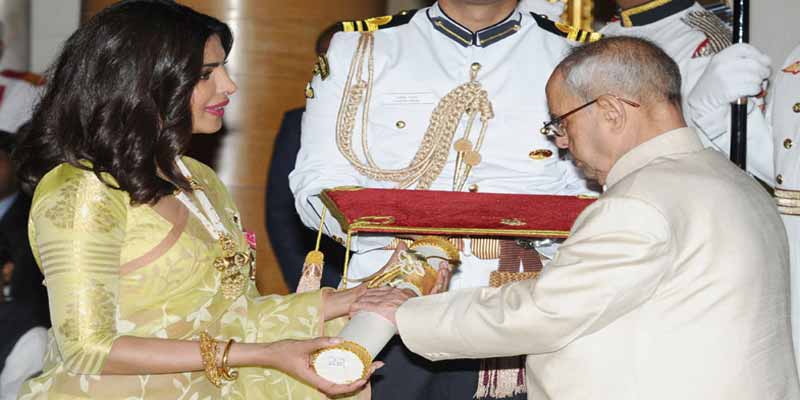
column 618, row 253
column 78, row 227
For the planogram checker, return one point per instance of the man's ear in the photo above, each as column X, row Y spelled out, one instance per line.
column 612, row 112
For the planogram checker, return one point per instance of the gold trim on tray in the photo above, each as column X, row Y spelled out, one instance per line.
column 370, row 220
column 513, row 222
column 541, row 233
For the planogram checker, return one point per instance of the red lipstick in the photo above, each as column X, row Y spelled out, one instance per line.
column 217, row 109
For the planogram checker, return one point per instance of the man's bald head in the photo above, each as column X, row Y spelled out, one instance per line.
column 624, row 66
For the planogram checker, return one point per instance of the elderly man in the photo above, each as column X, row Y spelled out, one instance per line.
column 672, row 285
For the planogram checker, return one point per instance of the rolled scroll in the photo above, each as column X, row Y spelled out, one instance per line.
column 366, row 334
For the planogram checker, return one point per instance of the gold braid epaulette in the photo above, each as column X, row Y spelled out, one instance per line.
column 568, row 31
column 375, row 23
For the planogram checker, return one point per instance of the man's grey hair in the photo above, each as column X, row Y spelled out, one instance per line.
column 629, row 67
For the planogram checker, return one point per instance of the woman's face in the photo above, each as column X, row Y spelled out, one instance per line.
column 211, row 94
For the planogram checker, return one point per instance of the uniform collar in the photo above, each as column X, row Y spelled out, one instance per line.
column 465, row 37
column 652, row 11
column 677, row 141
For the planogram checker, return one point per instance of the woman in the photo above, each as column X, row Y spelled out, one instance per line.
column 146, row 265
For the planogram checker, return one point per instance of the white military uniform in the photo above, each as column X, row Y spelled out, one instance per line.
column 17, row 98
column 674, row 25
column 415, row 65
column 784, row 110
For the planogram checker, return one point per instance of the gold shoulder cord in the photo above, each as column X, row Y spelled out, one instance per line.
column 469, row 98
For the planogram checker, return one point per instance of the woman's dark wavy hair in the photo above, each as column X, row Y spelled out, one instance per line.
column 119, row 97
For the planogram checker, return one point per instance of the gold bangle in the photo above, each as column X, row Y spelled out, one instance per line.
column 227, row 373
column 208, row 351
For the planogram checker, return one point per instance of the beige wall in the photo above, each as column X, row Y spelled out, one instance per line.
column 52, row 21
column 15, row 16
column 775, row 28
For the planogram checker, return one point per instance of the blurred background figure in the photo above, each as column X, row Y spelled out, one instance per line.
column 24, row 313
column 18, row 92
column 25, row 285
column 23, row 337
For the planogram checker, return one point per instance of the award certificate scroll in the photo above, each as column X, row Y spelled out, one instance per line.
column 367, row 333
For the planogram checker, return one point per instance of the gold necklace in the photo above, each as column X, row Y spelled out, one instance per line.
column 232, row 262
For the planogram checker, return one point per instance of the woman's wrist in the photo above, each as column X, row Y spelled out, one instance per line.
column 265, row 355
column 249, row 355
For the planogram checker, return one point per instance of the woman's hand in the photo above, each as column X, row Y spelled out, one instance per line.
column 337, row 303
column 294, row 358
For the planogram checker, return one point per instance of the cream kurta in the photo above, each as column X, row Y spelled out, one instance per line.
column 673, row 285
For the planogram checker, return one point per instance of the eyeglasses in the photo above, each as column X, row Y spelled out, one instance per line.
column 554, row 128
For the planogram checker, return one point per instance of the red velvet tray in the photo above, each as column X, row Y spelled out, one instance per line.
column 434, row 212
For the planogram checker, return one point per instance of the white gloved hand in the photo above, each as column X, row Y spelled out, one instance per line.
column 738, row 71
column 550, row 9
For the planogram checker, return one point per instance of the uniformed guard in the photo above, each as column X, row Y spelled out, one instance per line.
column 784, row 111
column 18, row 93
column 714, row 72
column 433, row 99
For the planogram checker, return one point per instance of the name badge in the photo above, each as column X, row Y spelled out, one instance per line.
column 406, row 98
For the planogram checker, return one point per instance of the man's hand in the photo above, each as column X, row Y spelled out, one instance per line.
column 383, row 301
column 735, row 72
column 294, row 358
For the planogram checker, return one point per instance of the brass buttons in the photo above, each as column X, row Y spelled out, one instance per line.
column 404, row 12
column 540, row 154
column 475, row 66
column 787, row 144
column 473, row 188
column 400, row 124
column 779, row 179
column 796, row 107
